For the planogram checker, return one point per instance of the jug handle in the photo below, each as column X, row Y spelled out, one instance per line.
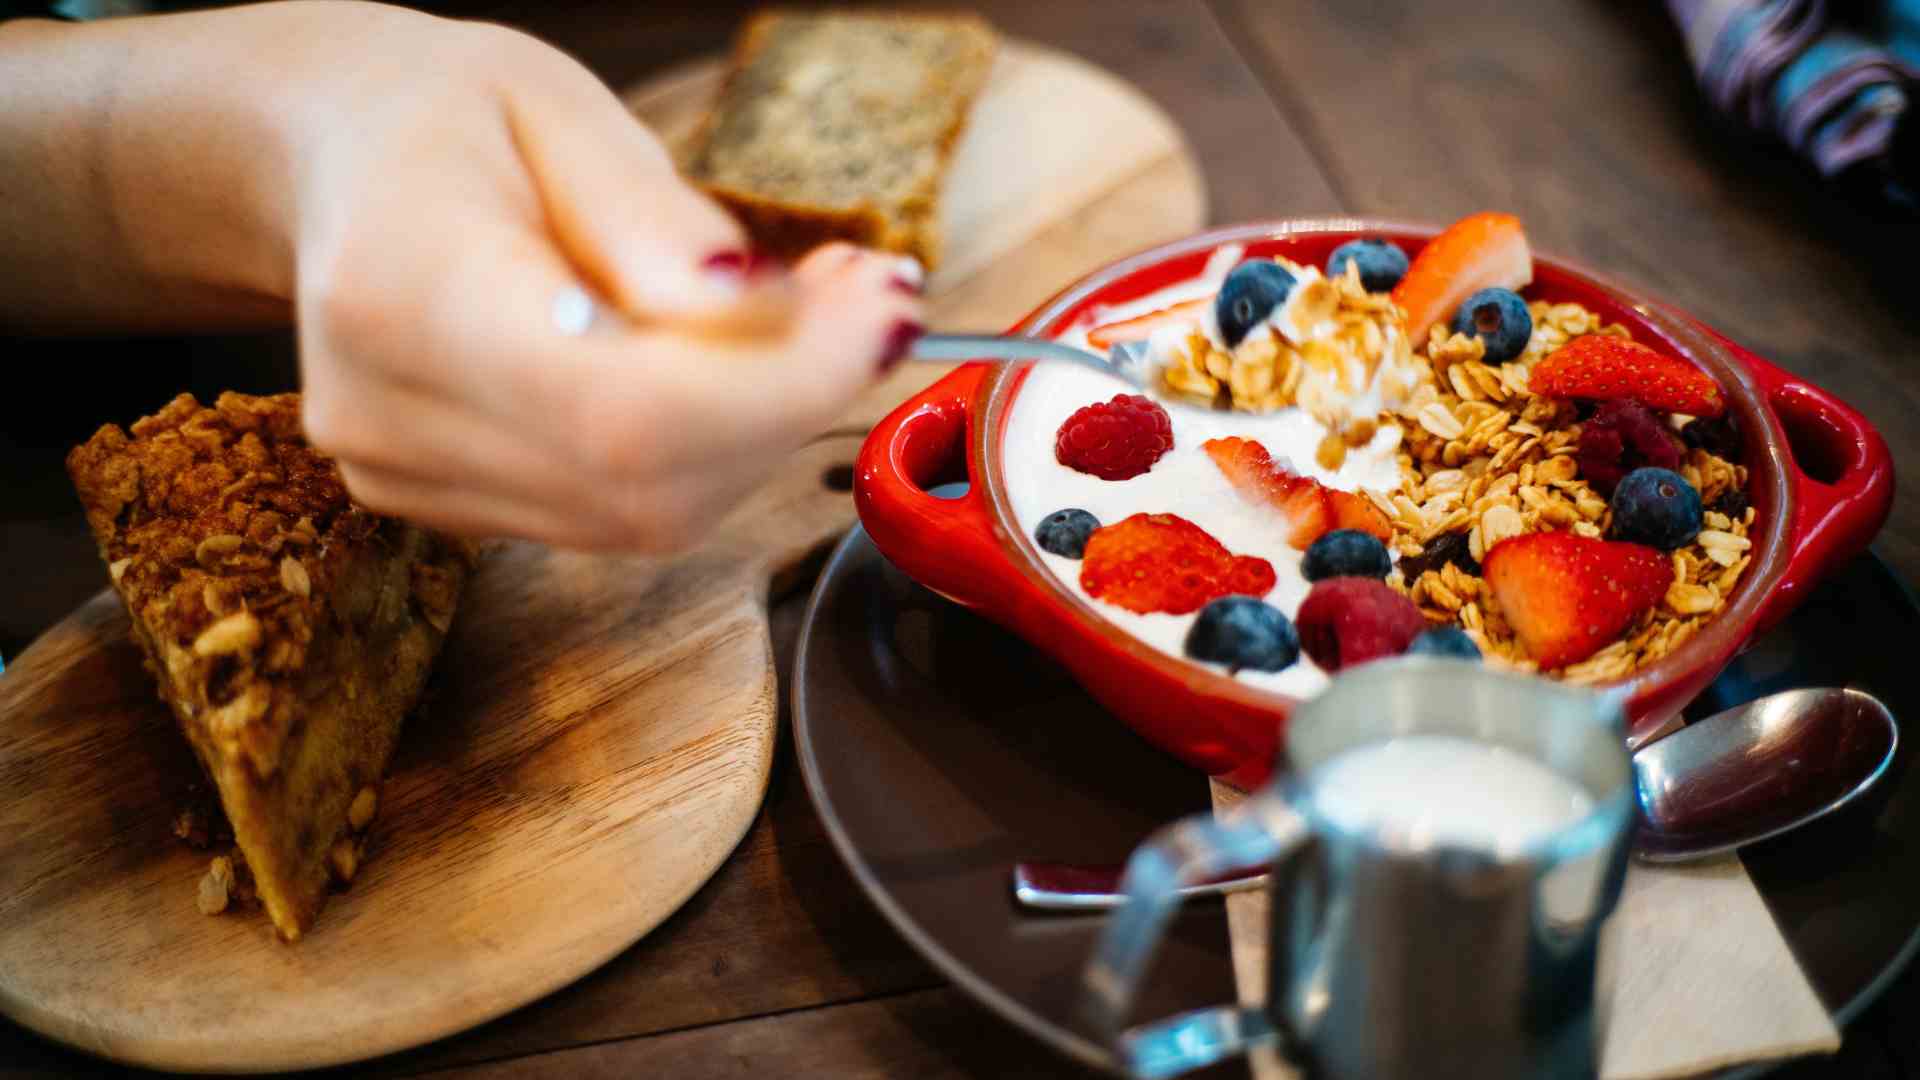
column 1261, row 832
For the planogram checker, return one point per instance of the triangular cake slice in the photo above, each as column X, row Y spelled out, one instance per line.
column 290, row 630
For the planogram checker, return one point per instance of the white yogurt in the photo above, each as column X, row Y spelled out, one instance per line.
column 1206, row 283
column 1185, row 481
column 1425, row 790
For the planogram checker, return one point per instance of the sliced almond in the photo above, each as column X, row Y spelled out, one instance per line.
column 235, row 633
column 215, row 548
column 293, row 577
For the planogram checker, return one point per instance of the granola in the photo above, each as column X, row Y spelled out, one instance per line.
column 1336, row 343
column 1485, row 457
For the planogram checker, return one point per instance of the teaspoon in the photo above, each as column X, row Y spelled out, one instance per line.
column 1735, row 778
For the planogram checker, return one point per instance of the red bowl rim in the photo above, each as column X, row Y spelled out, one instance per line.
column 1769, row 463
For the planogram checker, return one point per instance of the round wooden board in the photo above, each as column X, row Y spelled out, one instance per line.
column 596, row 741
column 600, row 730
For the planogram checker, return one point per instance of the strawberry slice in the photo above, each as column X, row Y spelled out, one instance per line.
column 1355, row 511
column 1477, row 252
column 1311, row 509
column 1141, row 327
column 1600, row 368
column 1567, row 596
column 1163, row 562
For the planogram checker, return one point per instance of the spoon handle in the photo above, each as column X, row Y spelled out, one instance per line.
column 948, row 348
column 1077, row 887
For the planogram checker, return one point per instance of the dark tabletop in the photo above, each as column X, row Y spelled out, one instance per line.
column 1579, row 115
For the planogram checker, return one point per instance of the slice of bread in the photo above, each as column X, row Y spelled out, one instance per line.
column 840, row 126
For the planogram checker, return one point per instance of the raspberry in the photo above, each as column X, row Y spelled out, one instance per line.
column 1115, row 440
column 1163, row 562
column 1350, row 620
column 1620, row 437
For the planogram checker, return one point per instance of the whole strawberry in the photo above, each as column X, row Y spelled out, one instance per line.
column 1115, row 440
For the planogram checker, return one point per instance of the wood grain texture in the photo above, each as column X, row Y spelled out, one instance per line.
column 935, row 1034
column 781, row 927
column 598, row 740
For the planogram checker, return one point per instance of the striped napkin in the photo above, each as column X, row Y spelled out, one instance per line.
column 1834, row 80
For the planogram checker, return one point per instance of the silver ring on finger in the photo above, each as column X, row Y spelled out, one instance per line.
column 573, row 311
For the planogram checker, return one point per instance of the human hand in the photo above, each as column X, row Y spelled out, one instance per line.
column 448, row 202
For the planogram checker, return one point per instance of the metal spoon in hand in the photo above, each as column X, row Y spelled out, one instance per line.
column 1128, row 362
column 1737, row 777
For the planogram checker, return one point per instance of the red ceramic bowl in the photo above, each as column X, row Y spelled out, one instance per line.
column 1821, row 481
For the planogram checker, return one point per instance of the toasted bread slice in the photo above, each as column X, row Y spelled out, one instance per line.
column 840, row 126
column 290, row 631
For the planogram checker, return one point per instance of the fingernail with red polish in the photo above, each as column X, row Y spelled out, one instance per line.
column 910, row 278
column 739, row 267
column 727, row 263
column 899, row 340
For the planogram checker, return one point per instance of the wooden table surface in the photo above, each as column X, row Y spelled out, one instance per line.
column 1579, row 115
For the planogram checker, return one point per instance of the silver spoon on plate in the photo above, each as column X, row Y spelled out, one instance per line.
column 1735, row 778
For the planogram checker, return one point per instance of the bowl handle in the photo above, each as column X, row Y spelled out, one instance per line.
column 1842, row 476
column 951, row 546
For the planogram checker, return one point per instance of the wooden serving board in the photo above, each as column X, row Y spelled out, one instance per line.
column 600, row 730
column 597, row 741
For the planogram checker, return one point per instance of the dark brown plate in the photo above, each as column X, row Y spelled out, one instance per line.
column 939, row 749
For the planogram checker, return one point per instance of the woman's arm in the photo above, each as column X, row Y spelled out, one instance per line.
column 437, row 204
column 144, row 173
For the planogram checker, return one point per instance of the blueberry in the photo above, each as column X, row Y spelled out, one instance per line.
column 1499, row 318
column 1382, row 265
column 1065, row 532
column 1346, row 553
column 1242, row 632
column 1251, row 293
column 1445, row 641
column 1656, row 507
